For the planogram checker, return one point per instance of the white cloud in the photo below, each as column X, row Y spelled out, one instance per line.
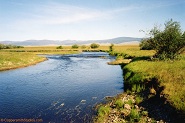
column 55, row 13
column 62, row 14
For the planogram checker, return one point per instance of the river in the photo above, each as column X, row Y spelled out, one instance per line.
column 65, row 88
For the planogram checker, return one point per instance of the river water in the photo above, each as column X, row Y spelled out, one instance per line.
column 62, row 89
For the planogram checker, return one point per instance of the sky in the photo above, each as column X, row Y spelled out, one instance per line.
column 85, row 19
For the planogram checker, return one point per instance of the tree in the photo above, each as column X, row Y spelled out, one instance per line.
column 168, row 43
column 60, row 47
column 1, row 46
column 146, row 44
column 75, row 46
column 94, row 45
column 111, row 48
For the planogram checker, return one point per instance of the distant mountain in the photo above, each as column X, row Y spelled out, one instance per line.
column 118, row 40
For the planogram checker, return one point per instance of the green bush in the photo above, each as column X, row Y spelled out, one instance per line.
column 168, row 43
column 111, row 48
column 3, row 46
column 146, row 44
column 75, row 46
column 94, row 45
column 59, row 47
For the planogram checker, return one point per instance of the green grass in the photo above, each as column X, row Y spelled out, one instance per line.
column 119, row 103
column 132, row 50
column 170, row 74
column 12, row 60
column 103, row 114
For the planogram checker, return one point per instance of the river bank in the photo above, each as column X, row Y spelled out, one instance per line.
column 12, row 60
column 160, row 84
column 23, row 57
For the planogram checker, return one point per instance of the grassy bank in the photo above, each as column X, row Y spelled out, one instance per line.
column 161, row 84
column 12, row 60
column 169, row 74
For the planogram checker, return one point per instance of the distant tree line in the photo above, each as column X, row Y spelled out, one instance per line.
column 76, row 46
column 4, row 46
column 167, row 43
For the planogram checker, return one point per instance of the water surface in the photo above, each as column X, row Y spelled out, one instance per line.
column 62, row 89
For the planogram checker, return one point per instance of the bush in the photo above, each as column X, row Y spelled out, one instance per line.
column 59, row 47
column 94, row 45
column 3, row 46
column 168, row 43
column 111, row 48
column 146, row 44
column 75, row 46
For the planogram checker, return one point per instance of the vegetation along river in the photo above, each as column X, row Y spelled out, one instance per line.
column 62, row 89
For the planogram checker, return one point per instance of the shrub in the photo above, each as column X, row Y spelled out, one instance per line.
column 168, row 43
column 75, row 46
column 111, row 48
column 94, row 45
column 59, row 47
column 146, row 44
column 3, row 46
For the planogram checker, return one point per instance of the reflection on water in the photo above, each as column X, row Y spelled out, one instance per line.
column 62, row 89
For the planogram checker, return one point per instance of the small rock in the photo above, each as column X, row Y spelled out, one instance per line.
column 62, row 104
column 94, row 98
column 137, row 107
column 127, row 106
column 83, row 101
column 125, row 112
column 149, row 120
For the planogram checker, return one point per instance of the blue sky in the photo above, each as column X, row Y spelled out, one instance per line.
column 84, row 19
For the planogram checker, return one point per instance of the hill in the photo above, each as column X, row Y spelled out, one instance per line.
column 118, row 40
